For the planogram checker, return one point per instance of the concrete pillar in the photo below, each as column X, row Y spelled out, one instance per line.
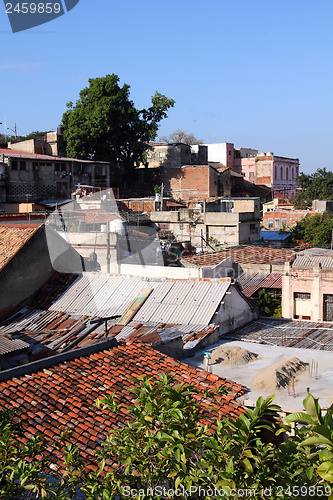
column 317, row 313
column 287, row 296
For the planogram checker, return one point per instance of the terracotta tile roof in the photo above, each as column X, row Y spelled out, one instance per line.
column 243, row 255
column 12, row 238
column 61, row 397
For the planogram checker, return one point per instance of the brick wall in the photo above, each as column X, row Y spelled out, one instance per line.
column 190, row 182
column 138, row 205
column 291, row 218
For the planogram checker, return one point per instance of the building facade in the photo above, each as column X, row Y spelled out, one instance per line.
column 307, row 287
column 32, row 177
column 231, row 221
column 277, row 172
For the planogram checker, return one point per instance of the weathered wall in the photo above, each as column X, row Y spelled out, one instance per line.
column 234, row 311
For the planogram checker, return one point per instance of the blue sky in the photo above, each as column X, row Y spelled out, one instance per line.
column 258, row 74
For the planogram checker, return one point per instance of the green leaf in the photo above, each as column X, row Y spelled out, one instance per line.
column 247, row 465
column 316, row 441
column 309, row 472
column 325, row 471
column 299, row 417
column 312, row 408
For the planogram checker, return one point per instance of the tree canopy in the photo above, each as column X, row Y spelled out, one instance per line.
column 317, row 186
column 105, row 125
column 181, row 136
column 316, row 230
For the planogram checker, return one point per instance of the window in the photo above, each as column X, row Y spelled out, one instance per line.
column 161, row 154
column 284, row 223
column 14, row 165
column 251, row 174
column 270, row 223
column 281, row 173
column 277, row 223
column 275, row 170
column 63, row 167
column 181, row 227
column 302, row 295
column 287, row 173
column 292, row 173
column 229, row 152
column 23, row 165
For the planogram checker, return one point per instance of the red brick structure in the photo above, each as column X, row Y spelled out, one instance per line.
column 284, row 219
column 191, row 182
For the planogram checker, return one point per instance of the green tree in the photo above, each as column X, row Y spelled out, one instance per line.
column 168, row 441
column 180, row 136
column 104, row 124
column 316, row 440
column 315, row 230
column 317, row 186
column 268, row 303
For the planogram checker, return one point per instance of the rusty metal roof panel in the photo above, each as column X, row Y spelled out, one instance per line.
column 189, row 329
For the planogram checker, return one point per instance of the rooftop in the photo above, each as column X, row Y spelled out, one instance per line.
column 61, row 396
column 251, row 282
column 16, row 153
column 70, row 311
column 243, row 255
column 288, row 333
column 12, row 239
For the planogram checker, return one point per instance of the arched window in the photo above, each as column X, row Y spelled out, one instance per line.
column 287, row 171
column 275, row 175
column 292, row 173
column 281, row 173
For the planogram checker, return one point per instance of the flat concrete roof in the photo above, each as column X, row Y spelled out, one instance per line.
column 321, row 387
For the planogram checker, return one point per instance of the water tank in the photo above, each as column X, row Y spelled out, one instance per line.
column 118, row 226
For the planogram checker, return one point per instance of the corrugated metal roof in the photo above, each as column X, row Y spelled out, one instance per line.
column 289, row 333
column 101, row 295
column 8, row 345
column 311, row 260
column 250, row 278
column 169, row 334
column 184, row 303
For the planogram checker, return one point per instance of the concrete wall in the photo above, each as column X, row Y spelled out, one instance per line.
column 160, row 271
column 226, row 227
column 234, row 312
column 222, row 152
column 87, row 243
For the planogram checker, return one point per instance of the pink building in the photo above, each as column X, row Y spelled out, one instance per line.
column 277, row 172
